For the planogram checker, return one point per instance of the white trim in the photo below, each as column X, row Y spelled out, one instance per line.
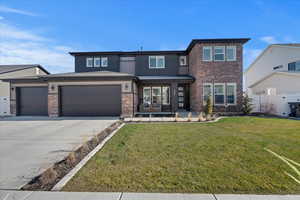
column 211, row 92
column 156, row 62
column 231, row 84
column 162, row 88
column 97, row 59
column 234, row 53
column 185, row 60
column 211, row 53
column 102, row 61
column 224, row 94
column 87, row 61
column 223, row 49
column 156, row 87
column 147, row 87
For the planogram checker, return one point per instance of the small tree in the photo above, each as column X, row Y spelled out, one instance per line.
column 246, row 104
column 208, row 107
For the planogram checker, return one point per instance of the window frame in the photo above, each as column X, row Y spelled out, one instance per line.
column 97, row 58
column 87, row 61
column 224, row 94
column 211, row 53
column 160, row 95
column 162, row 99
column 156, row 62
column 211, row 92
column 235, row 93
column 224, row 54
column 185, row 60
column 234, row 53
column 147, row 87
column 104, row 58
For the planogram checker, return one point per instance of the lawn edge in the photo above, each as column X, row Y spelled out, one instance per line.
column 58, row 186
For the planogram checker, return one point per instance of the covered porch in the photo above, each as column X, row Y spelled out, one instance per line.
column 163, row 95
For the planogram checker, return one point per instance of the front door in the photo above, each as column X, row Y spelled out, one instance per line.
column 181, row 97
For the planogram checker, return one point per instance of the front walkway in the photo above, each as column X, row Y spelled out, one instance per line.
column 28, row 195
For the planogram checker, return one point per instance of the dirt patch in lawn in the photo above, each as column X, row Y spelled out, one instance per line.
column 54, row 174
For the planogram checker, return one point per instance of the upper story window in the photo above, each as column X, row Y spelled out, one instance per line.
column 231, row 53
column 294, row 66
column 219, row 53
column 156, row 62
column 182, row 60
column 96, row 62
column 207, row 54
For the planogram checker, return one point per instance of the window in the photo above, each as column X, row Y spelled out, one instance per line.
column 147, row 95
column 156, row 95
column 89, row 62
column 166, row 95
column 182, row 60
column 207, row 54
column 104, row 62
column 231, row 93
column 231, row 53
column 219, row 53
column 207, row 92
column 156, row 61
column 219, row 94
column 294, row 66
column 97, row 62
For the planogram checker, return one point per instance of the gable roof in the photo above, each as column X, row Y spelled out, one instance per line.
column 289, row 73
column 12, row 68
column 290, row 45
column 190, row 46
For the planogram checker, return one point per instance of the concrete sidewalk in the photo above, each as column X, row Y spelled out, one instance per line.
column 28, row 195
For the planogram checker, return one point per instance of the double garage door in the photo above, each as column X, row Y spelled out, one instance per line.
column 89, row 100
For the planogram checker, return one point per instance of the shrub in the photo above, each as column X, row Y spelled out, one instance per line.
column 208, row 107
column 246, row 104
column 201, row 117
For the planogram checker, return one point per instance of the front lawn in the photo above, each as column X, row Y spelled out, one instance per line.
column 223, row 157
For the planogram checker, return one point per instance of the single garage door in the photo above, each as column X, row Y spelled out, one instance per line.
column 32, row 101
column 91, row 100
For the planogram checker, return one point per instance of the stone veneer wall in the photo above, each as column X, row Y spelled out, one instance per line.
column 215, row 72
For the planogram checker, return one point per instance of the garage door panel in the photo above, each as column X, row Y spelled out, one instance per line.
column 32, row 101
column 104, row 100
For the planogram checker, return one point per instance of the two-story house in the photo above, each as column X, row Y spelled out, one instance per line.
column 128, row 83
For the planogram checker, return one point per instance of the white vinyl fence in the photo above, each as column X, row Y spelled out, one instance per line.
column 273, row 104
column 4, row 106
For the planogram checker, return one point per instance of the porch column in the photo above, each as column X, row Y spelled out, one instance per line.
column 174, row 99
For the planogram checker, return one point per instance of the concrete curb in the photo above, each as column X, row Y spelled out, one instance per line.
column 172, row 121
column 70, row 175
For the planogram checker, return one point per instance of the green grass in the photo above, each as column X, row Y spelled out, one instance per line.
column 223, row 157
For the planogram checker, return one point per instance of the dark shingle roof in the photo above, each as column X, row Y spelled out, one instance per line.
column 12, row 68
column 142, row 78
column 190, row 46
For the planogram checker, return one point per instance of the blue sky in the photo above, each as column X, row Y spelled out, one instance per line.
column 35, row 31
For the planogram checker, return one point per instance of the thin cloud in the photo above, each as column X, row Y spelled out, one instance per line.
column 269, row 39
column 23, row 47
column 1, row 18
column 11, row 32
column 16, row 11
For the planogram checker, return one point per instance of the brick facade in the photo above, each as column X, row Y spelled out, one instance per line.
column 127, row 104
column 215, row 72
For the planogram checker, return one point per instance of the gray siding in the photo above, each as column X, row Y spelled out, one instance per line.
column 113, row 64
column 141, row 65
column 171, row 66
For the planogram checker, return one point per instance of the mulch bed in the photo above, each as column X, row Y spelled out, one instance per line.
column 50, row 177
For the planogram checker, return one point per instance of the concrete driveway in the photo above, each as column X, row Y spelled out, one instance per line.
column 29, row 145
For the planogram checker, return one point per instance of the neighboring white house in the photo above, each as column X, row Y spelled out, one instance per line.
column 13, row 71
column 273, row 79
